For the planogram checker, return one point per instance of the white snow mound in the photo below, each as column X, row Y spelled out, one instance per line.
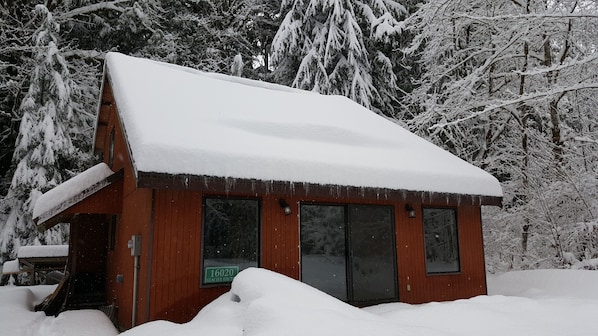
column 263, row 302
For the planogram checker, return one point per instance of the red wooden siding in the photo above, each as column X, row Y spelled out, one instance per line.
column 108, row 200
column 135, row 219
column 280, row 237
column 176, row 293
column 415, row 286
column 176, row 256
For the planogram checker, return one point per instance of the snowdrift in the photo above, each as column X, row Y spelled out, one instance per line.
column 264, row 303
column 547, row 303
column 582, row 284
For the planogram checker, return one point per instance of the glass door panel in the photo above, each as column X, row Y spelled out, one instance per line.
column 372, row 256
column 323, row 251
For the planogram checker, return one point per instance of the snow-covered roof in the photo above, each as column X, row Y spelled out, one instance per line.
column 182, row 121
column 41, row 251
column 72, row 190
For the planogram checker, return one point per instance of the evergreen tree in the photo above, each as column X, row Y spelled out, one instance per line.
column 14, row 73
column 44, row 153
column 208, row 35
column 89, row 29
column 341, row 47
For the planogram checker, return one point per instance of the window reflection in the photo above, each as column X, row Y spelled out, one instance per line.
column 441, row 239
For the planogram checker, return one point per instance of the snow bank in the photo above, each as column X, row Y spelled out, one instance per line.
column 581, row 284
column 43, row 251
column 265, row 303
column 181, row 121
column 495, row 316
column 17, row 317
column 86, row 322
column 275, row 303
column 16, row 310
column 70, row 188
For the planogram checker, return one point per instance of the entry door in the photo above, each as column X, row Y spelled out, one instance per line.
column 348, row 251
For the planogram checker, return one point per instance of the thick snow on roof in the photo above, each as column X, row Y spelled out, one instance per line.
column 70, row 188
column 182, row 121
column 40, row 251
column 11, row 267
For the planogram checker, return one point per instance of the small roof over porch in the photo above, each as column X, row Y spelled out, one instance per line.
column 98, row 190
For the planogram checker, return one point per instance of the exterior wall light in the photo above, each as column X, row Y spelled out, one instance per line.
column 285, row 206
column 410, row 210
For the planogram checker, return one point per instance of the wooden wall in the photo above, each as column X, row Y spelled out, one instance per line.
column 135, row 219
column 415, row 286
column 176, row 293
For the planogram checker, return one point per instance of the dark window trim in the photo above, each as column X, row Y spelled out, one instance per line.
column 201, row 249
column 112, row 227
column 456, row 210
column 348, row 253
column 111, row 149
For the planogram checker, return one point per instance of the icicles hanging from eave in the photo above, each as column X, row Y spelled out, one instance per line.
column 230, row 185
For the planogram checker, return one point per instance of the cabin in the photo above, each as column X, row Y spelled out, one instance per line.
column 202, row 175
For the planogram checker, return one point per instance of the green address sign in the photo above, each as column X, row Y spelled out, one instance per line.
column 220, row 274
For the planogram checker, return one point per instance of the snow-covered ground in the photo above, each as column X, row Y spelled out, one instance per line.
column 542, row 302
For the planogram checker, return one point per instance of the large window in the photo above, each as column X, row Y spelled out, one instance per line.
column 441, row 240
column 230, row 238
column 348, row 251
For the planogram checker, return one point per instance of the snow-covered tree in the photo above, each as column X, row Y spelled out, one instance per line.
column 207, row 35
column 341, row 47
column 505, row 85
column 44, row 153
column 13, row 81
column 89, row 29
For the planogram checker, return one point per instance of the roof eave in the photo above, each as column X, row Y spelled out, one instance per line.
column 226, row 185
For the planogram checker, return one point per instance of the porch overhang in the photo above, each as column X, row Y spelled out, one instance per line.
column 98, row 190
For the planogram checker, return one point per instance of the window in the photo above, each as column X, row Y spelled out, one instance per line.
column 348, row 251
column 111, row 149
column 441, row 240
column 230, row 238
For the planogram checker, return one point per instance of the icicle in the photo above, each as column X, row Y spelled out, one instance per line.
column 306, row 187
column 229, row 184
column 335, row 191
column 268, row 187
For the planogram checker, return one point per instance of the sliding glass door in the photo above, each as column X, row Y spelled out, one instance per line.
column 348, row 251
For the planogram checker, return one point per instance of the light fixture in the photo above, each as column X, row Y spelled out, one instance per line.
column 410, row 210
column 285, row 206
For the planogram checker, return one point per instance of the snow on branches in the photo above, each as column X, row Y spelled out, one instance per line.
column 44, row 153
column 340, row 47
